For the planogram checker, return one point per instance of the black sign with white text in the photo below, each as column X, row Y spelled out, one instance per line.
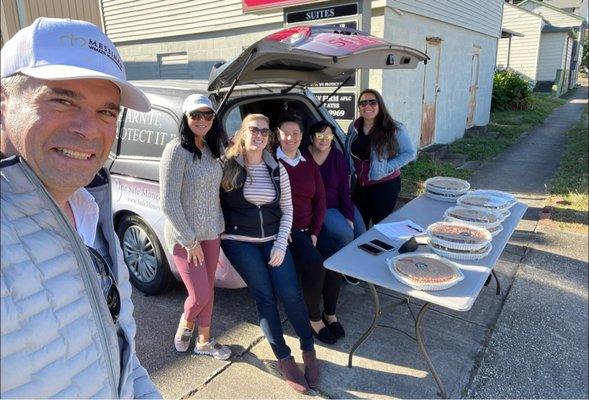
column 340, row 105
column 322, row 13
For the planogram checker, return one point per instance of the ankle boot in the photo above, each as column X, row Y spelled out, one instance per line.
column 312, row 369
column 292, row 374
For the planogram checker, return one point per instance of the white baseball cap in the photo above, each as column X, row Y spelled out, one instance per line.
column 196, row 101
column 63, row 49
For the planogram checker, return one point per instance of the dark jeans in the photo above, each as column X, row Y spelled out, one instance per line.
column 265, row 283
column 309, row 265
column 377, row 201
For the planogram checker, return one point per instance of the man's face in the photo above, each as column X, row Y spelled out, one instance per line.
column 63, row 129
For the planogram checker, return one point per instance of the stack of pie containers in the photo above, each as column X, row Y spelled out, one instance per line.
column 459, row 240
column 474, row 216
column 445, row 188
column 494, row 201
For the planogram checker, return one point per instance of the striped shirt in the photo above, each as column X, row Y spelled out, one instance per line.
column 258, row 189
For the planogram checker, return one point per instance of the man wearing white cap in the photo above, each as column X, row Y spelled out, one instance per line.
column 67, row 317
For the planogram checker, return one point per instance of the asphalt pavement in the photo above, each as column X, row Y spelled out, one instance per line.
column 528, row 342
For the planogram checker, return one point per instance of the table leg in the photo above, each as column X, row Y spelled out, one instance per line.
column 372, row 327
column 498, row 289
column 424, row 352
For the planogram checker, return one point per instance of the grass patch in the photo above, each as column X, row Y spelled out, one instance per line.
column 569, row 199
column 509, row 125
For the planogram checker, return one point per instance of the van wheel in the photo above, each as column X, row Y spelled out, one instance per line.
column 148, row 268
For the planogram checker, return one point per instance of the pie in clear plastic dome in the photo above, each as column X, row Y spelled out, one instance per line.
column 459, row 234
column 473, row 215
column 446, row 185
column 425, row 271
column 483, row 201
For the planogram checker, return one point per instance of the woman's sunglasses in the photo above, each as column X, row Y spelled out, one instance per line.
column 108, row 283
column 254, row 130
column 206, row 115
column 371, row 103
column 326, row 136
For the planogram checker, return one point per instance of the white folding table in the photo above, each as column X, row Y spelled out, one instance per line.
column 374, row 271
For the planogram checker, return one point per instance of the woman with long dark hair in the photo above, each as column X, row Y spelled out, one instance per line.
column 377, row 147
column 190, row 177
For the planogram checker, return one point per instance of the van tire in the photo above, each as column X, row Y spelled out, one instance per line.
column 151, row 274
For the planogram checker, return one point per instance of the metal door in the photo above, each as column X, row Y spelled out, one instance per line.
column 431, row 88
column 474, row 85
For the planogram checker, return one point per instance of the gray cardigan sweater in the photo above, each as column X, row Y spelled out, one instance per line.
column 189, row 193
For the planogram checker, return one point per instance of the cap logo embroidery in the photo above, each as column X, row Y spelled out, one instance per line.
column 95, row 45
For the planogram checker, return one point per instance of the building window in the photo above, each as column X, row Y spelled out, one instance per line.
column 173, row 65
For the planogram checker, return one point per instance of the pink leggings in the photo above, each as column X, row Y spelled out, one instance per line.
column 199, row 281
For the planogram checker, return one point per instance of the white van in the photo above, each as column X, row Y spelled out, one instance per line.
column 269, row 77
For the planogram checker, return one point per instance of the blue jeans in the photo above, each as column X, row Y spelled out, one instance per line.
column 266, row 283
column 336, row 233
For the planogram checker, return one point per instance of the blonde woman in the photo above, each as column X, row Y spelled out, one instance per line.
column 257, row 206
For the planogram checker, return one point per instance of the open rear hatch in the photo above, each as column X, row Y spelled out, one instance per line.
column 304, row 55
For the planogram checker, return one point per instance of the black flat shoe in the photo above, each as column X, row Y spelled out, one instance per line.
column 324, row 335
column 336, row 329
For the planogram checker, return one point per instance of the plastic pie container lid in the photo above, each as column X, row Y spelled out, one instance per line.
column 442, row 197
column 495, row 230
column 460, row 254
column 425, row 271
column 500, row 214
column 483, row 201
column 511, row 199
column 459, row 236
column 446, row 185
column 476, row 216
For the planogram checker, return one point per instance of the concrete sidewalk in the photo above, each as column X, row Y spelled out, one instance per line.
column 531, row 341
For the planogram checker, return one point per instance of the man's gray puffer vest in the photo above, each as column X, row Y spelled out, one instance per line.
column 58, row 338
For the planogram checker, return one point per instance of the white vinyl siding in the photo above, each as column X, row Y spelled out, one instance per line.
column 482, row 16
column 129, row 20
column 524, row 50
column 551, row 55
column 554, row 17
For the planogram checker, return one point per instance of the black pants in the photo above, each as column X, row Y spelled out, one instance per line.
column 377, row 201
column 316, row 282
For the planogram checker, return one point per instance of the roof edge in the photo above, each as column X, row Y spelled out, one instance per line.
column 540, row 3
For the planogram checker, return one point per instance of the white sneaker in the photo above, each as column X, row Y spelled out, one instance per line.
column 213, row 349
column 183, row 336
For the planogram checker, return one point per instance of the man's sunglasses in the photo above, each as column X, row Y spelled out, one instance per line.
column 254, row 130
column 326, row 136
column 371, row 102
column 206, row 115
column 108, row 283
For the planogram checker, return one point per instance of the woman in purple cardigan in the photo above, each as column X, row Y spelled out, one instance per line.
column 343, row 222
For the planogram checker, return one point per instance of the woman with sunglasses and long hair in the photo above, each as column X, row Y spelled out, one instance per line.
column 342, row 223
column 257, row 205
column 190, row 176
column 377, row 147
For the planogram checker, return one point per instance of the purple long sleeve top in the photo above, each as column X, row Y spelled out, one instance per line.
column 334, row 172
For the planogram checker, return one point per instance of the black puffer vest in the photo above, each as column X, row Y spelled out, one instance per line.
column 246, row 219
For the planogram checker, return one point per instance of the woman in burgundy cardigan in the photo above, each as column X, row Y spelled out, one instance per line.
column 308, row 198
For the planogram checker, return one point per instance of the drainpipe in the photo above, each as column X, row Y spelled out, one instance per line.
column 508, row 50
